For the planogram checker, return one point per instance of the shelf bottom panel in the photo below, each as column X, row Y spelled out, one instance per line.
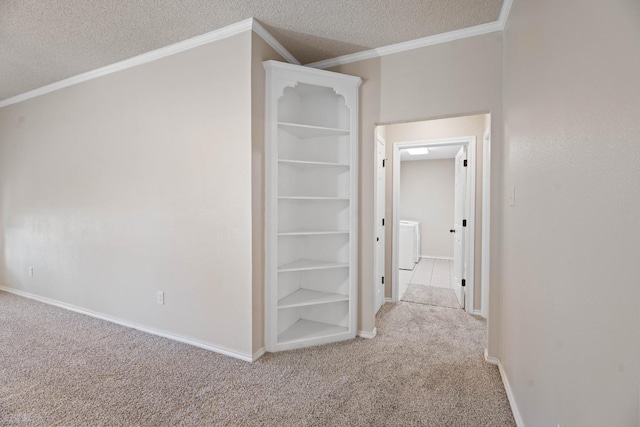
column 308, row 264
column 304, row 297
column 306, row 329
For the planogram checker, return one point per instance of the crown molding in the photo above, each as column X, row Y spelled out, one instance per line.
column 463, row 33
column 409, row 45
column 504, row 13
column 249, row 24
column 271, row 41
column 255, row 26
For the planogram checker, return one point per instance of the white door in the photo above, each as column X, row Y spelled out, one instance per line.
column 380, row 189
column 458, row 228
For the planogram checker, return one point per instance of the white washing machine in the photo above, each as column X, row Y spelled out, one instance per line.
column 409, row 244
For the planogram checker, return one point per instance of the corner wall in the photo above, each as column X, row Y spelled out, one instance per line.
column 260, row 52
column 135, row 182
column 570, row 341
column 462, row 77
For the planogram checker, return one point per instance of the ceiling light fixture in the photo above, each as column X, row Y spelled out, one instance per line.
column 418, row 151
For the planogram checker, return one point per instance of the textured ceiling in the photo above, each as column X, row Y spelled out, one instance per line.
column 44, row 41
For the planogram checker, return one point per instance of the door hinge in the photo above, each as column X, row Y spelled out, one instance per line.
column 383, row 222
column 383, row 162
column 464, row 282
column 464, row 222
column 383, row 280
column 465, row 163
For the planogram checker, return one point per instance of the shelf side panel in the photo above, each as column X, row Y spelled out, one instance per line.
column 334, row 281
column 331, row 149
column 334, row 314
column 314, row 182
column 313, row 214
column 287, row 318
column 329, row 248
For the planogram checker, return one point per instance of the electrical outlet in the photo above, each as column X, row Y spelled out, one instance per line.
column 160, row 297
column 30, row 271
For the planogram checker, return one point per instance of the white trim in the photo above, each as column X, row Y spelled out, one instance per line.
column 470, row 143
column 507, row 387
column 477, row 313
column 464, row 33
column 447, row 258
column 490, row 359
column 368, row 335
column 377, row 138
column 388, row 299
column 485, row 278
column 271, row 41
column 171, row 336
column 258, row 354
column 504, row 13
column 219, row 34
column 470, row 268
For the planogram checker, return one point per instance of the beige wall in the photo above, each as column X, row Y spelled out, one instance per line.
column 450, row 79
column 260, row 52
column 427, row 195
column 473, row 125
column 136, row 182
column 570, row 341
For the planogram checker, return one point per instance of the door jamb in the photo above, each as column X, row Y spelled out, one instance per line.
column 375, row 224
column 486, row 221
column 470, row 142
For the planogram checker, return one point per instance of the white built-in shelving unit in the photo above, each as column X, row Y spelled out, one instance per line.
column 311, row 206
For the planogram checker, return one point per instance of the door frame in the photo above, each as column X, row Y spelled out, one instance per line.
column 375, row 222
column 486, row 221
column 470, row 142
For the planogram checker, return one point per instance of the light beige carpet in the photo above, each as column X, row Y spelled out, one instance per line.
column 425, row 368
column 431, row 295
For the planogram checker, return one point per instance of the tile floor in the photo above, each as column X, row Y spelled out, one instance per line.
column 430, row 272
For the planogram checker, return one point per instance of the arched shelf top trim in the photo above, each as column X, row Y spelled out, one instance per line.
column 344, row 93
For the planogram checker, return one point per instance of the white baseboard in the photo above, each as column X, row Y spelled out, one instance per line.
column 448, row 258
column 507, row 387
column 171, row 336
column 478, row 313
column 368, row 335
column 258, row 354
column 388, row 299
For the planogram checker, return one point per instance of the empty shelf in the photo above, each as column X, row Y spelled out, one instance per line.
column 310, row 232
column 312, row 198
column 303, row 297
column 306, row 329
column 307, row 264
column 307, row 163
column 307, row 131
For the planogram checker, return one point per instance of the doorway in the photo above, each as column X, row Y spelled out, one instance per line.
column 467, row 229
column 450, row 270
